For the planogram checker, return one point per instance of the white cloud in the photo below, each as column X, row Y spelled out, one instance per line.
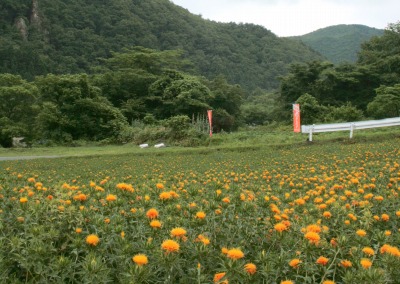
column 296, row 17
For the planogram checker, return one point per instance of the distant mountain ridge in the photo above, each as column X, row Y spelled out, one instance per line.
column 339, row 43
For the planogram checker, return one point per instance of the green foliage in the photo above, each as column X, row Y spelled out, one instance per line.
column 176, row 93
column 227, row 99
column 382, row 55
column 386, row 103
column 261, row 108
column 74, row 109
column 311, row 110
column 344, row 113
column 176, row 130
column 303, row 78
column 17, row 108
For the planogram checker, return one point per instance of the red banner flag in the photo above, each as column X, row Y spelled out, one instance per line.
column 296, row 118
column 209, row 113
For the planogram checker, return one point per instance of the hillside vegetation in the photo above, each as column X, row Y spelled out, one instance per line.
column 339, row 43
column 53, row 36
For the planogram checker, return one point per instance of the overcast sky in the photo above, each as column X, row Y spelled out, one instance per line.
column 297, row 17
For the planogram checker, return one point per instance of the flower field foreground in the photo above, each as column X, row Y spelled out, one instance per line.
column 314, row 214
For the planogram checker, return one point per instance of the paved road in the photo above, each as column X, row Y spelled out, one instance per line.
column 16, row 158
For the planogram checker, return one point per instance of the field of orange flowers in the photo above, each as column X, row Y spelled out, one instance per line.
column 306, row 214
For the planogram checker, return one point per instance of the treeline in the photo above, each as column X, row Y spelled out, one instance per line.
column 139, row 95
column 369, row 88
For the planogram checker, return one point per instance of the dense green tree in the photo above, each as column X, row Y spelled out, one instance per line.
column 303, row 78
column 386, row 103
column 74, row 109
column 261, row 107
column 344, row 113
column 17, row 107
column 176, row 93
column 382, row 55
column 310, row 109
column 331, row 85
column 228, row 98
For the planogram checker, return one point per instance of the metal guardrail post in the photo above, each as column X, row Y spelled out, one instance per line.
column 351, row 130
column 310, row 133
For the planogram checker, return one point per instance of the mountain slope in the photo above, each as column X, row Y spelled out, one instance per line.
column 55, row 36
column 339, row 43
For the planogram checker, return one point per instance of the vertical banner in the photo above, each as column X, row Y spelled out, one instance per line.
column 296, row 118
column 209, row 113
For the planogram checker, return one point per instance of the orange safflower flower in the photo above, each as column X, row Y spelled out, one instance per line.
column 152, row 213
column 92, row 240
column 361, row 233
column 313, row 237
column 235, row 254
column 346, row 263
column 224, row 250
column 390, row 250
column 322, row 260
column 155, row 224
column 313, row 228
column 111, row 197
column 385, row 217
column 140, row 259
column 218, row 277
column 125, row 186
column 327, row 214
column 250, row 268
column 287, row 282
column 226, row 200
column 203, row 239
column 366, row 263
column 23, row 200
column 280, row 227
column 178, row 232
column 165, row 195
column 200, row 215
column 295, row 263
column 80, row 197
column 170, row 246
column 368, row 251
column 328, row 282
column 160, row 186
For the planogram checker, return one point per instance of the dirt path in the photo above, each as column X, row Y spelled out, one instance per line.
column 17, row 158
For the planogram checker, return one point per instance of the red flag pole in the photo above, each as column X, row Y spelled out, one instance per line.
column 296, row 118
column 209, row 113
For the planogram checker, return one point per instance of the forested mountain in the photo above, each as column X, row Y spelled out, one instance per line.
column 59, row 37
column 339, row 43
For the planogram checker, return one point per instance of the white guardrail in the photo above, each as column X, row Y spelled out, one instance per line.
column 348, row 126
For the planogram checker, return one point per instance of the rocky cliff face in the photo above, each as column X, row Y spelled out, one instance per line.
column 35, row 18
column 35, row 21
column 22, row 27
